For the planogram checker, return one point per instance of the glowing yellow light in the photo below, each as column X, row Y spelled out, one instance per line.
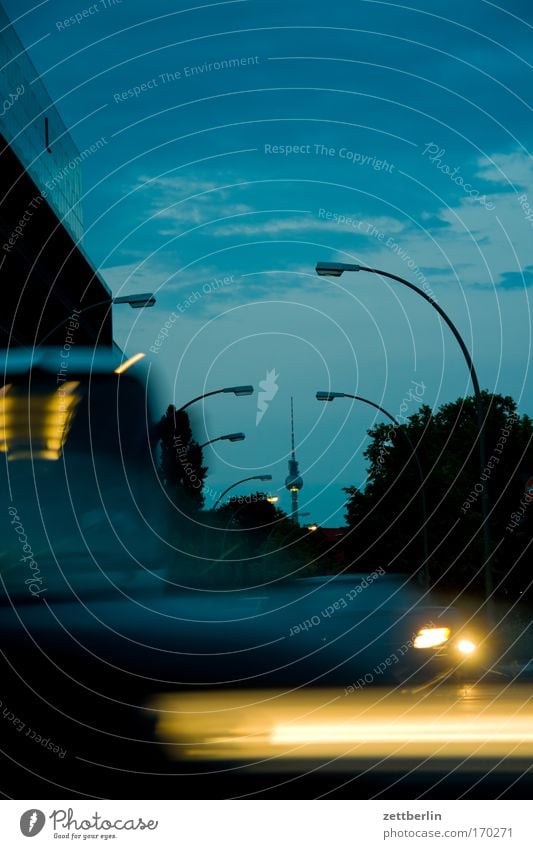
column 258, row 726
column 466, row 646
column 54, row 444
column 312, row 527
column 38, row 454
column 5, row 404
column 428, row 638
column 272, row 499
column 401, row 732
column 128, row 363
column 36, row 426
column 58, row 418
column 68, row 387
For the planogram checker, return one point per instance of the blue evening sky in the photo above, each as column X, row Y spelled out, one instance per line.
column 246, row 140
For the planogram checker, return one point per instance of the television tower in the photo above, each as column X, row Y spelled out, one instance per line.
column 293, row 481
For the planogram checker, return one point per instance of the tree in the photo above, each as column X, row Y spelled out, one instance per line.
column 385, row 518
column 249, row 524
column 181, row 458
column 256, row 542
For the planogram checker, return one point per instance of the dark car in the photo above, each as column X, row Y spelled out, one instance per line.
column 95, row 639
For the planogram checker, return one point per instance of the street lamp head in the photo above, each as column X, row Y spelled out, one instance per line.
column 136, row 302
column 334, row 269
column 239, row 390
column 328, row 396
column 139, row 305
column 234, row 437
column 272, row 499
column 124, row 366
column 230, row 437
column 244, row 480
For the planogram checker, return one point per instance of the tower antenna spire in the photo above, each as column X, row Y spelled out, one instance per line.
column 293, row 481
column 292, row 429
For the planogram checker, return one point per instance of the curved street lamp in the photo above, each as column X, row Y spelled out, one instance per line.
column 237, row 483
column 236, row 390
column 329, row 396
column 335, row 269
column 230, row 437
column 232, row 519
column 136, row 302
column 141, row 301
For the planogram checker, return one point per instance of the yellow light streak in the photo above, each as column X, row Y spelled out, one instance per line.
column 482, row 721
column 128, row 363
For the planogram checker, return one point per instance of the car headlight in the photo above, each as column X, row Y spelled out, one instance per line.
column 430, row 638
column 466, row 646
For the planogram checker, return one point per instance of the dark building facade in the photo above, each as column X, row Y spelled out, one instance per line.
column 44, row 273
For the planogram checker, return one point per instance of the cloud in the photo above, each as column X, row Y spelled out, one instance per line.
column 312, row 221
column 200, row 201
column 134, row 277
column 201, row 214
column 193, row 200
column 517, row 279
column 473, row 245
column 463, row 244
column 156, row 277
column 513, row 169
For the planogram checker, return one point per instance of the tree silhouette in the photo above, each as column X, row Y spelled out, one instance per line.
column 385, row 517
column 181, row 461
column 267, row 542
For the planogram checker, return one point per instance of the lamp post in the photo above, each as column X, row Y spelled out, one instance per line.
column 236, row 390
column 335, row 269
column 146, row 299
column 136, row 302
column 233, row 518
column 230, row 437
column 237, row 483
column 329, row 396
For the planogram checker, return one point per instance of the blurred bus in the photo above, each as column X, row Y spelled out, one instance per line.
column 78, row 471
